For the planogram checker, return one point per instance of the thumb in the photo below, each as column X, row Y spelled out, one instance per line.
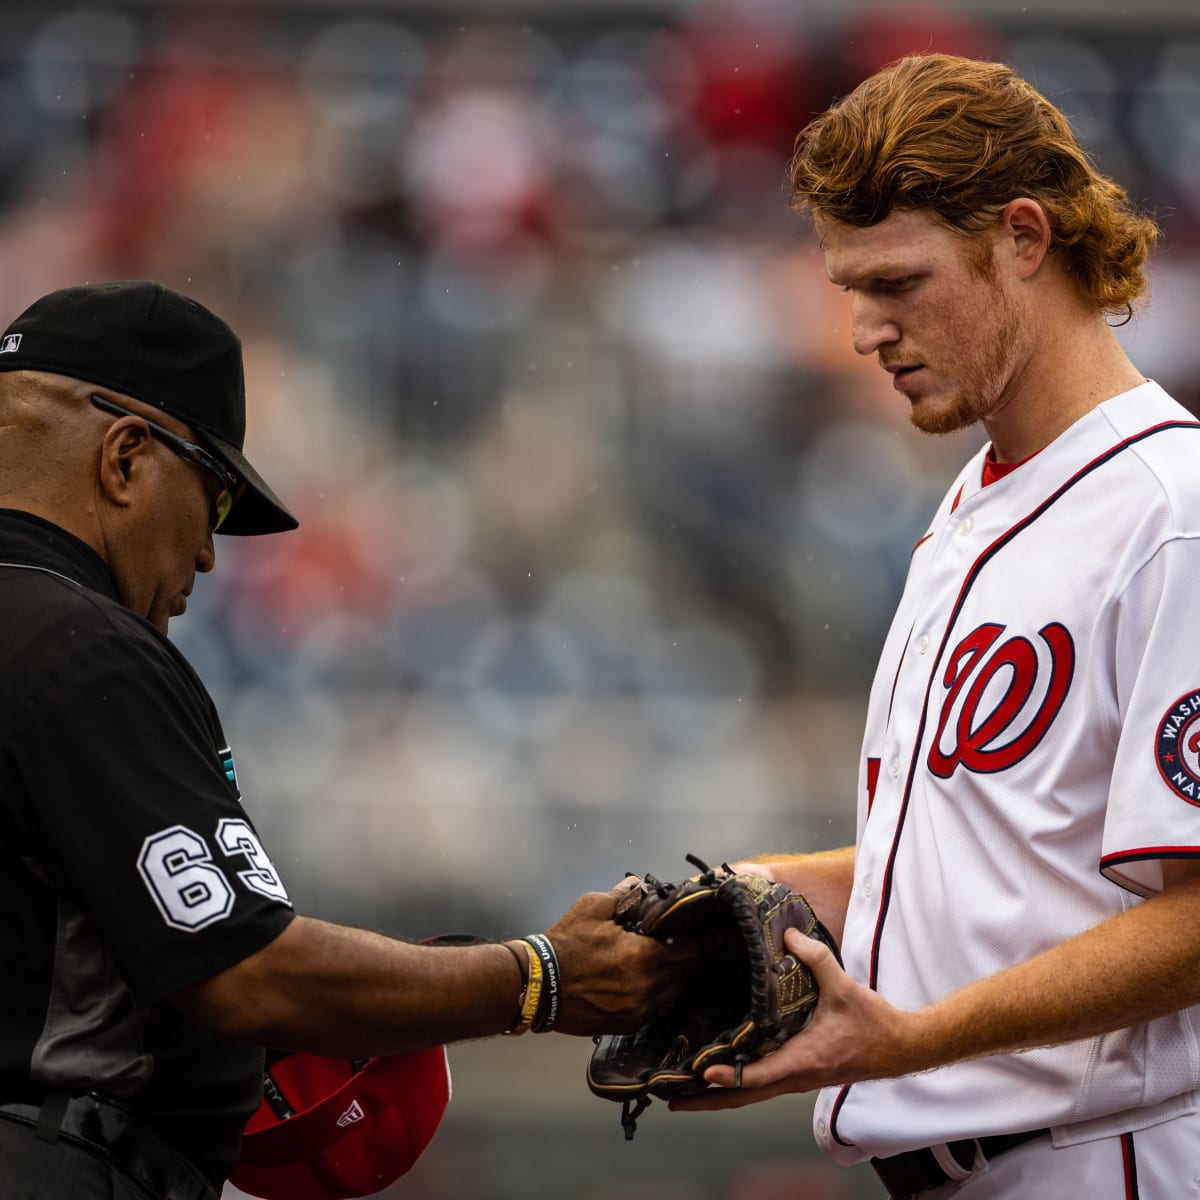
column 815, row 955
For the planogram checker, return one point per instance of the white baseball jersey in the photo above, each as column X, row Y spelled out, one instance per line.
column 1031, row 756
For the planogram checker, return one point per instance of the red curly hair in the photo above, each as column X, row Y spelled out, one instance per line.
column 960, row 138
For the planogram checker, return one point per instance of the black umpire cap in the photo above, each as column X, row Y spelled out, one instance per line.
column 144, row 340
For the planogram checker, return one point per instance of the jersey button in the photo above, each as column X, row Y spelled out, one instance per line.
column 894, row 768
column 867, row 889
column 965, row 526
column 820, row 1126
column 923, row 643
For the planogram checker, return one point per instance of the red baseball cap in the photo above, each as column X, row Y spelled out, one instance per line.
column 332, row 1128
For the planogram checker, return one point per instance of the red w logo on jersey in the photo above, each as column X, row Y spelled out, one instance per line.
column 1002, row 681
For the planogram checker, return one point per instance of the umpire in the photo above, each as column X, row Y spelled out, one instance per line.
column 148, row 950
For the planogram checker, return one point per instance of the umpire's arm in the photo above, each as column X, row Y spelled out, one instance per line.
column 330, row 989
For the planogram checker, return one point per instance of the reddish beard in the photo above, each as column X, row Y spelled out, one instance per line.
column 984, row 374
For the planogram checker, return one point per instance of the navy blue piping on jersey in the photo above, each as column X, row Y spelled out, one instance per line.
column 1129, row 1164
column 1141, row 853
column 899, row 666
column 968, row 582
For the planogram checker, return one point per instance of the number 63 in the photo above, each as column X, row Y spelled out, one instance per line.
column 190, row 891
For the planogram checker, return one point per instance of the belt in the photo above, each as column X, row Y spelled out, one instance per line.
column 904, row 1175
column 110, row 1132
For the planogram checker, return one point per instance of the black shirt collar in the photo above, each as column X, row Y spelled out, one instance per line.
column 30, row 541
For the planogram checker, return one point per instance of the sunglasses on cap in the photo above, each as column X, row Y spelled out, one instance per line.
column 219, row 506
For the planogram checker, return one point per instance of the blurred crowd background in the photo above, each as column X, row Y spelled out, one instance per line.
column 602, row 521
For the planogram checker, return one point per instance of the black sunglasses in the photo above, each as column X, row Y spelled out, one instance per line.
column 218, row 507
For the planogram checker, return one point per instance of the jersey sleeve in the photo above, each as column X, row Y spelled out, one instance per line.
column 1154, row 798
column 136, row 814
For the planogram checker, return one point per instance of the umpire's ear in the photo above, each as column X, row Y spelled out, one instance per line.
column 123, row 458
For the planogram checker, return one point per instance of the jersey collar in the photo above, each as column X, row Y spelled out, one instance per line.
column 30, row 541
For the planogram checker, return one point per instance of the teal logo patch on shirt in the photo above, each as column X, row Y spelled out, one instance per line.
column 229, row 769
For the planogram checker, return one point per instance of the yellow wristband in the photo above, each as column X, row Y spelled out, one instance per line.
column 531, row 1001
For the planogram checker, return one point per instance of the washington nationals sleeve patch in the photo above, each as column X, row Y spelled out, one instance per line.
column 1177, row 747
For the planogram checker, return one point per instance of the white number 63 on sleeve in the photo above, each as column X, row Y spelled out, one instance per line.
column 189, row 889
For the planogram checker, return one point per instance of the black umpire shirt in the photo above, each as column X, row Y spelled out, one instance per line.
column 128, row 867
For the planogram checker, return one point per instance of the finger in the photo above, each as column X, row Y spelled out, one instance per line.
column 754, row 1075
column 721, row 1098
column 625, row 894
column 815, row 955
column 711, row 1101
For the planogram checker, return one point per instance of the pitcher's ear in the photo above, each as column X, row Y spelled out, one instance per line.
column 1026, row 228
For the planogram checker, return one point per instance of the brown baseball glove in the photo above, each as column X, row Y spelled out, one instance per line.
column 745, row 996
